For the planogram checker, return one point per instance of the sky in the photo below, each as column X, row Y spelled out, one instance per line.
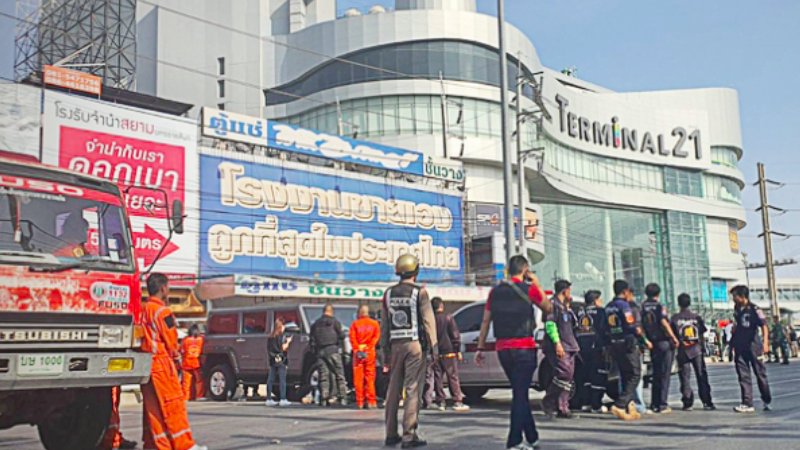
column 633, row 45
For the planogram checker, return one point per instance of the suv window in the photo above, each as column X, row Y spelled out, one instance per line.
column 223, row 324
column 470, row 319
column 344, row 314
column 288, row 316
column 254, row 322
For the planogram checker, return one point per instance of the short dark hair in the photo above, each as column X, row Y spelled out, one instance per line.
column 561, row 285
column 591, row 296
column 741, row 291
column 155, row 282
column 328, row 307
column 652, row 290
column 516, row 265
column 684, row 300
column 620, row 286
column 436, row 302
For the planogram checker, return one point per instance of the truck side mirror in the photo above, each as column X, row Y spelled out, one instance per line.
column 177, row 217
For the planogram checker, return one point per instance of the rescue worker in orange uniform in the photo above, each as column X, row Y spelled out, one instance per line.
column 365, row 333
column 191, row 349
column 166, row 422
column 113, row 439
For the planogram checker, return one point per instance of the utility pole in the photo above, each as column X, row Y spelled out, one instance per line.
column 767, row 235
column 520, row 164
column 508, row 187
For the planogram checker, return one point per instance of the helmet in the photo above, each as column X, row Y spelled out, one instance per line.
column 407, row 265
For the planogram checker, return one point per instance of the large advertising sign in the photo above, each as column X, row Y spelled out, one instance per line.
column 252, row 130
column 633, row 126
column 151, row 156
column 261, row 217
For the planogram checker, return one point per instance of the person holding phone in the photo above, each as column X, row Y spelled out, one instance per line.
column 510, row 308
column 277, row 348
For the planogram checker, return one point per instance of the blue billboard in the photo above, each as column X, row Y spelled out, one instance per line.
column 265, row 219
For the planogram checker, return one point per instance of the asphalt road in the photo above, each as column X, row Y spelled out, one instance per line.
column 246, row 426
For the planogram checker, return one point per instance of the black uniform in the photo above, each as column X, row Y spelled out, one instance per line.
column 557, row 395
column 621, row 333
column 591, row 373
column 327, row 341
column 689, row 328
column 653, row 314
column 748, row 351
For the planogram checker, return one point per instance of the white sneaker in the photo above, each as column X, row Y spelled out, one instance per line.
column 744, row 409
column 271, row 402
column 522, row 446
column 601, row 410
column 285, row 403
column 460, row 407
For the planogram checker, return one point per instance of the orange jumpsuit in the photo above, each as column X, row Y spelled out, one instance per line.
column 113, row 437
column 166, row 422
column 191, row 348
column 364, row 336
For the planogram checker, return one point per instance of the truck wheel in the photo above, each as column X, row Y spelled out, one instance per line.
column 80, row 424
column 221, row 382
column 474, row 392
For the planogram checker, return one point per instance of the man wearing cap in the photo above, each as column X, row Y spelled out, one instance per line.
column 408, row 332
column 560, row 348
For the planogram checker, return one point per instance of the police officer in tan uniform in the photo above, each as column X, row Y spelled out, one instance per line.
column 408, row 333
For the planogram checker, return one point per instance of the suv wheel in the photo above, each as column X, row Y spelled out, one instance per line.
column 220, row 382
column 474, row 392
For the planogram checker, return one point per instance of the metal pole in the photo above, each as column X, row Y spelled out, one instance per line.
column 508, row 187
column 520, row 169
column 445, row 119
column 767, row 235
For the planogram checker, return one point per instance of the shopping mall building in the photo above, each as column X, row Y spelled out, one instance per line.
column 636, row 185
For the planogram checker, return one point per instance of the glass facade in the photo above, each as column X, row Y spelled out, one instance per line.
column 594, row 246
column 683, row 182
column 686, row 258
column 721, row 188
column 725, row 156
column 453, row 60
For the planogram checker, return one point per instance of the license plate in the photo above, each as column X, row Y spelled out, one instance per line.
column 40, row 364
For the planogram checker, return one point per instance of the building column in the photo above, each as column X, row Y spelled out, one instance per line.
column 609, row 248
column 563, row 244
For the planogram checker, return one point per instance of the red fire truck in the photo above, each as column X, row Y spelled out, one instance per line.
column 70, row 301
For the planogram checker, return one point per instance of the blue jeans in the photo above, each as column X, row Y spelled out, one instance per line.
column 519, row 366
column 281, row 370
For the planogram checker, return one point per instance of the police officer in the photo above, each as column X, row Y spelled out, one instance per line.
column 655, row 321
column 560, row 349
column 408, row 331
column 623, row 333
column 690, row 329
column 591, row 374
column 749, row 349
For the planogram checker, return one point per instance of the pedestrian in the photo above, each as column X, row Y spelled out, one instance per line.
column 793, row 341
column 658, row 330
column 365, row 333
column 638, row 395
column 192, row 375
column 278, row 344
column 408, row 333
column 327, row 341
column 560, row 349
column 509, row 310
column 166, row 422
column 449, row 339
column 624, row 335
column 779, row 343
column 749, row 348
column 113, row 439
column 591, row 374
column 690, row 329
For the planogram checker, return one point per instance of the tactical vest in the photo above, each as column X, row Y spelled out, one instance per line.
column 584, row 327
column 652, row 315
column 404, row 317
column 615, row 319
column 688, row 330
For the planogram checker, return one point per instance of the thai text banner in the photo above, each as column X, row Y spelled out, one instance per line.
column 264, row 219
column 252, row 130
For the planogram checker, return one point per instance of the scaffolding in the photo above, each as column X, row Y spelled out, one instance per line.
column 93, row 36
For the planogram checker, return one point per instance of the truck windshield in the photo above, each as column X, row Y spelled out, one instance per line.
column 47, row 224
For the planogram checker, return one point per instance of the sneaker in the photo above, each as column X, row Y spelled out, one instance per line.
column 744, row 409
column 271, row 402
column 767, row 407
column 522, row 446
column 586, row 408
column 710, row 407
column 127, row 445
column 649, row 412
column 600, row 410
column 565, row 415
column 534, row 444
column 392, row 441
column 372, row 406
column 414, row 443
column 687, row 408
column 665, row 410
column 460, row 407
column 437, row 407
column 285, row 403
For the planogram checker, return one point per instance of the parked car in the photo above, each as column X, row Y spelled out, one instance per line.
column 235, row 350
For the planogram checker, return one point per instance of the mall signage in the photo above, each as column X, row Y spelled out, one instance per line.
column 240, row 128
column 444, row 169
column 259, row 215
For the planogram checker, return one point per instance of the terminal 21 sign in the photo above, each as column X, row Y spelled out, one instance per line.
column 237, row 127
column 259, row 217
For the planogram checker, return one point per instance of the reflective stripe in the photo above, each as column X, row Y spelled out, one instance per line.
column 160, row 436
column 113, row 426
column 181, row 433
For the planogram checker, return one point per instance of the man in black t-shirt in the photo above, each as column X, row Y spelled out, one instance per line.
column 690, row 328
column 749, row 349
column 655, row 322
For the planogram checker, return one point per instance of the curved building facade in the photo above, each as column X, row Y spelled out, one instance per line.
column 636, row 185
